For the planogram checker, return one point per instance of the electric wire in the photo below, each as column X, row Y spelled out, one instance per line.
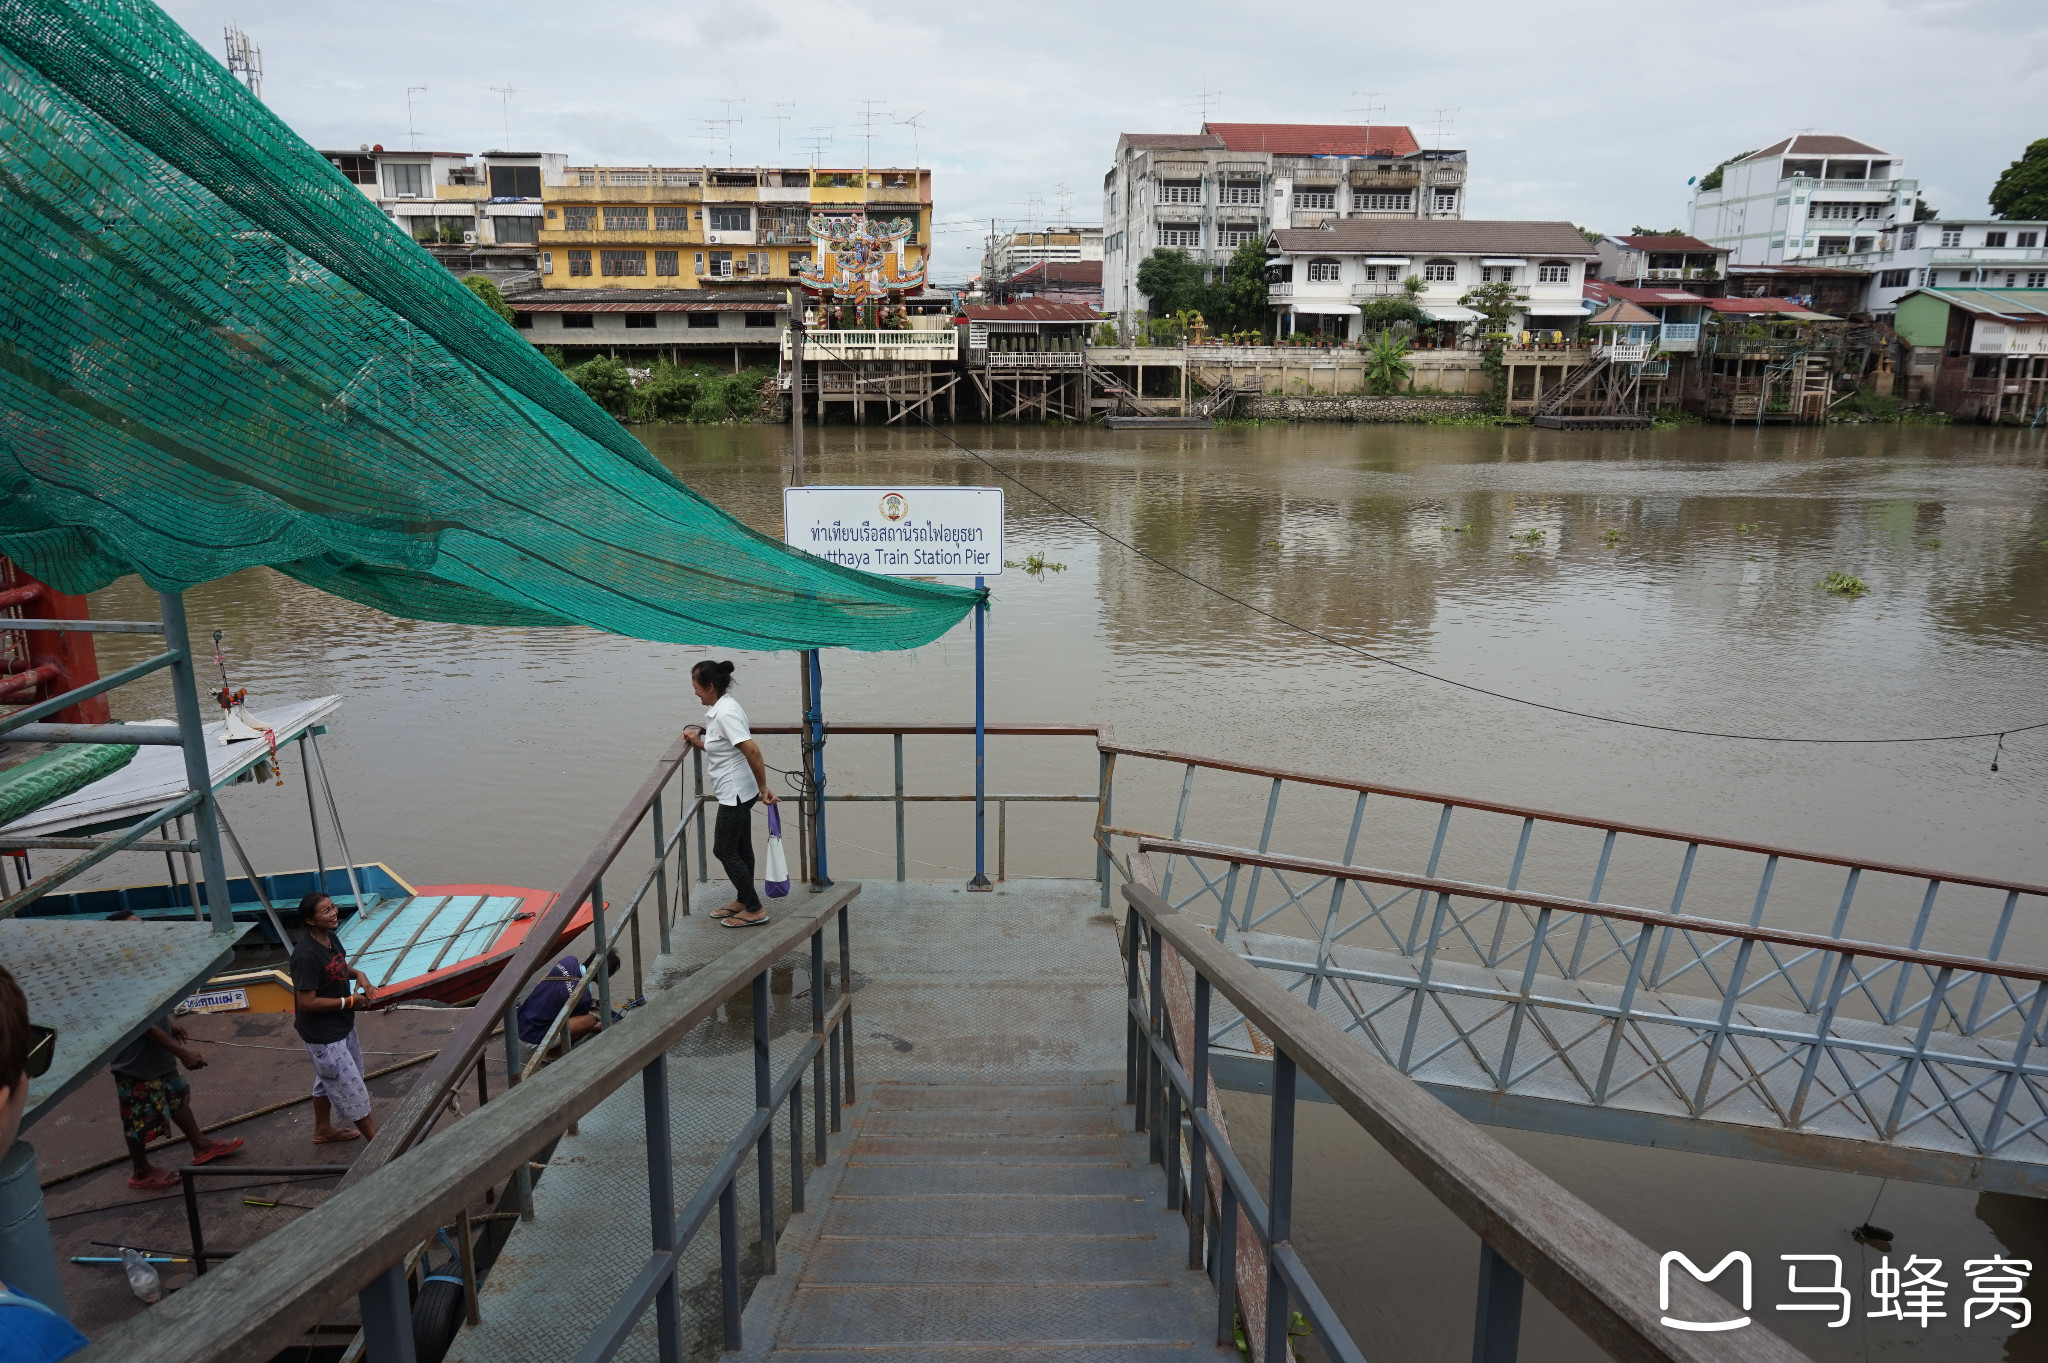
column 2000, row 733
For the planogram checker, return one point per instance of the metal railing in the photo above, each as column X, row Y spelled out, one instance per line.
column 357, row 1242
column 1763, row 994
column 897, row 796
column 1531, row 1229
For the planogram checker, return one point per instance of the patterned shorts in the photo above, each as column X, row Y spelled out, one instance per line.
column 147, row 1105
column 338, row 1077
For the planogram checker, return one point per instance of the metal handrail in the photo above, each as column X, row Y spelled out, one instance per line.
column 1576, row 820
column 1651, row 918
column 1604, row 1280
column 424, row 1102
column 356, row 1240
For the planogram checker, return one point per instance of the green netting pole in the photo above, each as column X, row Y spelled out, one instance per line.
column 198, row 774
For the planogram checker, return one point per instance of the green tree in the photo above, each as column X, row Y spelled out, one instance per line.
column 1386, row 365
column 1712, row 179
column 1593, row 237
column 1382, row 314
column 495, row 301
column 1237, row 301
column 607, row 384
column 1923, row 211
column 2022, row 190
column 1494, row 303
column 1170, row 281
column 1653, row 232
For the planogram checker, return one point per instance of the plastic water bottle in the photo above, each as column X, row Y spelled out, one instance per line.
column 142, row 1277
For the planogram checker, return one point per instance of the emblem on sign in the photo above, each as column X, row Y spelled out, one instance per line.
column 895, row 507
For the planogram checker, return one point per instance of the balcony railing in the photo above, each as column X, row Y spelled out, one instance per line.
column 877, row 345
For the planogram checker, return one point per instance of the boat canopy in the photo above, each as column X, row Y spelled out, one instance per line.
column 219, row 354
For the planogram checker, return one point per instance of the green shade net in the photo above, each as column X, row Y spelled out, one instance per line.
column 216, row 352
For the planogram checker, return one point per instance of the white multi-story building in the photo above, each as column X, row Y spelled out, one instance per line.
column 1985, row 253
column 1807, row 197
column 454, row 198
column 1015, row 252
column 1207, row 193
column 1322, row 276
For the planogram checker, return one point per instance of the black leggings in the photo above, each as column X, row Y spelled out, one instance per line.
column 733, row 845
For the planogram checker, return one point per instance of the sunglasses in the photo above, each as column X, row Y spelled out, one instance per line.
column 42, row 1049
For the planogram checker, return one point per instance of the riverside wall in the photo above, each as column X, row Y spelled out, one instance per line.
column 1357, row 407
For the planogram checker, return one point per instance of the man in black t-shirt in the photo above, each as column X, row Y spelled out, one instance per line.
column 326, row 1023
column 153, row 1096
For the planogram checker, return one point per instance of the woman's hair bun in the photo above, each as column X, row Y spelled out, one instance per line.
column 724, row 669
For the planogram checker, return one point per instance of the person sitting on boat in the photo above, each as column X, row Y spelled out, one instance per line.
column 544, row 1004
column 153, row 1097
column 30, row 1332
column 326, row 1022
column 738, row 778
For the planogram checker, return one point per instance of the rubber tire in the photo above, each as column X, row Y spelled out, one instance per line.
column 436, row 1317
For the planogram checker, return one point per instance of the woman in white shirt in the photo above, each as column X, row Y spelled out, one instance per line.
column 738, row 777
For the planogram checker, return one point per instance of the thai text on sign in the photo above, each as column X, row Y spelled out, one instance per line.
column 899, row 531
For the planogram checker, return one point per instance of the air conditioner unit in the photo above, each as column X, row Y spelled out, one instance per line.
column 712, row 238
column 469, row 238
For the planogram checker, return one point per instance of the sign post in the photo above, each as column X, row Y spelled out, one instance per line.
column 908, row 532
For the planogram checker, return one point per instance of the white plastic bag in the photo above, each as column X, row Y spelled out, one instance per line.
column 142, row 1277
column 775, row 868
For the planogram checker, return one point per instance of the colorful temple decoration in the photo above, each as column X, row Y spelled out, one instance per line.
column 861, row 260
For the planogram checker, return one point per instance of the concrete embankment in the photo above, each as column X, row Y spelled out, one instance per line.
column 1356, row 407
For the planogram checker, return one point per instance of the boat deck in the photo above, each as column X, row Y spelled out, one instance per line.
column 986, row 1196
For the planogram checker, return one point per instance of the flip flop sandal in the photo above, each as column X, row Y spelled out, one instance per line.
column 226, row 1147
column 733, row 921
column 721, row 913
column 156, row 1182
column 341, row 1134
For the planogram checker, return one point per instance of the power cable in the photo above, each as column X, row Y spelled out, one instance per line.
column 1998, row 733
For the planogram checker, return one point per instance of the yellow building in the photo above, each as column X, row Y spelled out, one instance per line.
column 651, row 227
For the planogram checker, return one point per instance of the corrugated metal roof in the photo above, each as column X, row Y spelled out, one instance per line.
column 2014, row 305
column 1060, row 272
column 1753, row 306
column 1188, row 141
column 1030, row 310
column 1316, row 139
column 1443, row 236
column 1678, row 243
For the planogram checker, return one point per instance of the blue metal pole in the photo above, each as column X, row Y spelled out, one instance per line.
column 815, row 721
column 980, row 881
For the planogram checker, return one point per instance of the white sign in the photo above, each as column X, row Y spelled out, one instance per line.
column 220, row 1001
column 899, row 531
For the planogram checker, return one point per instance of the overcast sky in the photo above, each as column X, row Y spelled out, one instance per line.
column 1596, row 112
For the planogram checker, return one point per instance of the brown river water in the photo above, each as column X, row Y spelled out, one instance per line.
column 467, row 754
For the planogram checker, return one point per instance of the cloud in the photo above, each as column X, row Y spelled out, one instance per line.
column 1598, row 114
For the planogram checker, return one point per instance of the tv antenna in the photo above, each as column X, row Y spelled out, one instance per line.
column 1205, row 99
column 1065, row 195
column 411, row 131
column 916, row 160
column 1443, row 118
column 820, row 138
column 1374, row 108
column 245, row 59
column 505, row 93
column 778, row 120
column 727, row 122
column 717, row 130
column 868, row 115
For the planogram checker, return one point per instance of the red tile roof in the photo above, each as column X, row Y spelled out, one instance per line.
column 1030, row 310
column 1061, row 272
column 1316, row 139
column 1755, row 305
column 1601, row 291
column 1680, row 243
column 1817, row 144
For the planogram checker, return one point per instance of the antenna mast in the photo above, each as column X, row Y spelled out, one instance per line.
column 410, row 130
column 868, row 115
column 505, row 93
column 245, row 59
